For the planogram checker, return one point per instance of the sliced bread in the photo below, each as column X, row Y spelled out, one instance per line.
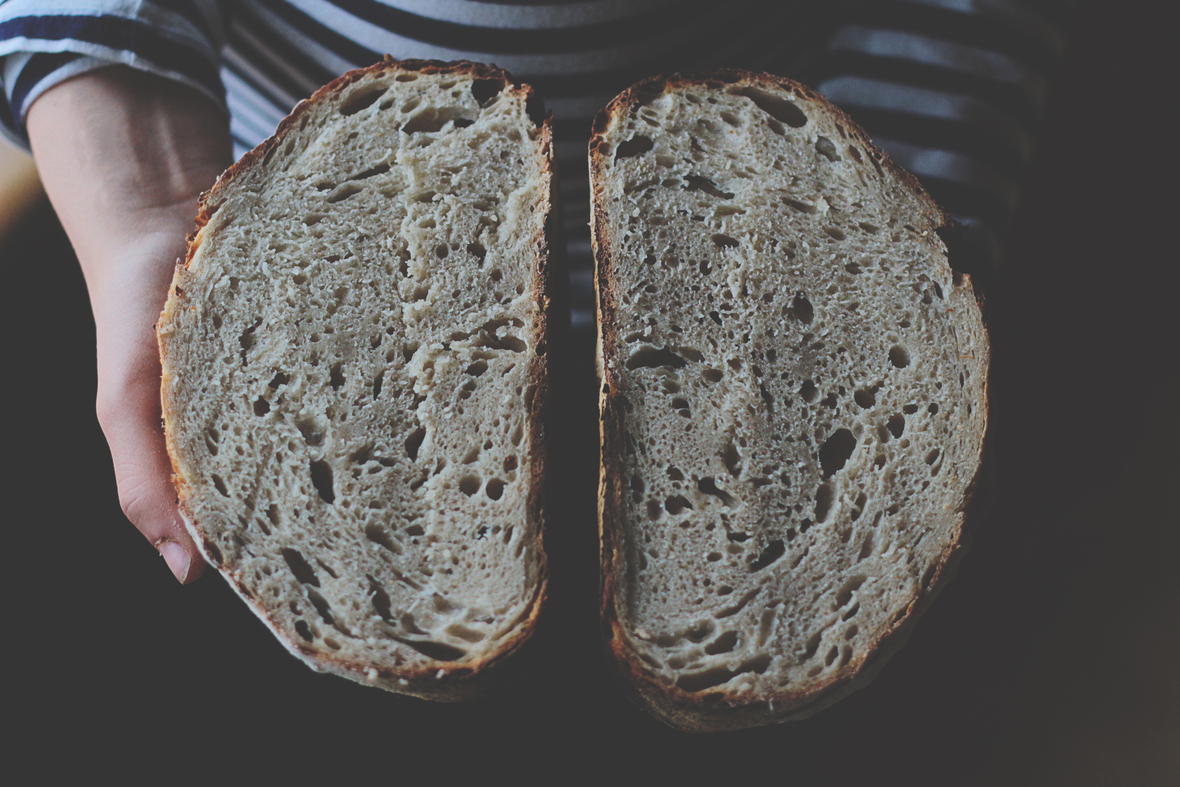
column 793, row 398
column 354, row 377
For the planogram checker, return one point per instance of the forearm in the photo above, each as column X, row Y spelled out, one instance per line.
column 124, row 157
column 117, row 147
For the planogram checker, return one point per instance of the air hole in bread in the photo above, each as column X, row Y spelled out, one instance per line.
column 361, row 98
column 778, row 108
column 835, row 233
column 494, row 489
column 896, row 424
column 835, row 451
column 802, row 310
column 382, row 537
column 698, row 183
column 313, row 435
column 635, row 146
column 808, row 391
column 321, row 479
column 826, row 148
column 469, row 484
column 802, row 207
column 459, row 631
column 485, row 91
column 322, row 608
column 732, row 460
column 858, row 506
column 723, row 644
column 739, row 606
column 432, row 120
column 676, row 503
column 380, row 600
column 304, row 573
column 831, row 657
column 246, row 340
column 654, row 358
column 853, row 584
column 866, row 397
column 899, row 356
column 344, row 192
column 414, row 442
column 436, row 650
column 709, row 486
column 336, row 375
column 772, row 552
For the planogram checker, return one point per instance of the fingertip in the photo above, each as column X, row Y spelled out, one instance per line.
column 179, row 561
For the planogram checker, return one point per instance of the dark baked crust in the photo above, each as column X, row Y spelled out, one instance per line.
column 443, row 681
column 717, row 711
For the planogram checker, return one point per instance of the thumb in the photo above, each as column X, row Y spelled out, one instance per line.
column 131, row 423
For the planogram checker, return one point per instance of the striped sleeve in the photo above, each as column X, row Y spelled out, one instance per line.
column 44, row 42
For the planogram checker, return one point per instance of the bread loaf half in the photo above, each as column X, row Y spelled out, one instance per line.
column 793, row 398
column 354, row 377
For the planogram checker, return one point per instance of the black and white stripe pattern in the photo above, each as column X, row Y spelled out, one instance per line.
column 951, row 88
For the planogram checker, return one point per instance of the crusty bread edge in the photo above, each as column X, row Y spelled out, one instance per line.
column 448, row 681
column 692, row 712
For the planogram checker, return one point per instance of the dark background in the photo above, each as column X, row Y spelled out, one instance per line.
column 1053, row 658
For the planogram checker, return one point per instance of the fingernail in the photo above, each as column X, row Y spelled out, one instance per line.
column 177, row 559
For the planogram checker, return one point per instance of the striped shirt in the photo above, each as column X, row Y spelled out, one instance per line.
column 951, row 88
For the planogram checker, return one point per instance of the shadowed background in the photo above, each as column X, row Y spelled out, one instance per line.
column 1052, row 658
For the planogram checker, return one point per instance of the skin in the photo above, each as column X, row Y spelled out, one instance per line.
column 124, row 156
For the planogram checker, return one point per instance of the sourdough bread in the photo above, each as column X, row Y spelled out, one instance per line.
column 793, row 398
column 354, row 379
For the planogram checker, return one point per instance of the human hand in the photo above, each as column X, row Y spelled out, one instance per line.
column 124, row 157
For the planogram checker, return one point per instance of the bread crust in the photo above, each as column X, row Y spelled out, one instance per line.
column 441, row 681
column 716, row 711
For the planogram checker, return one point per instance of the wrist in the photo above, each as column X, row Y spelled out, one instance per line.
column 122, row 153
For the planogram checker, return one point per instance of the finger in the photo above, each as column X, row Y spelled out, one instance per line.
column 131, row 423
